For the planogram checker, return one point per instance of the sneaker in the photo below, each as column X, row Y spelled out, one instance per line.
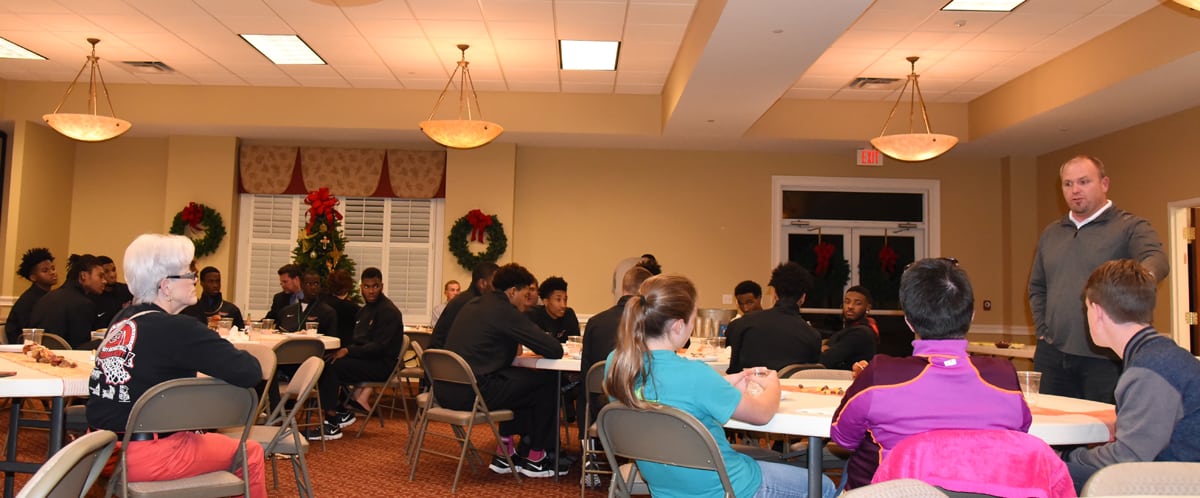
column 332, row 431
column 500, row 465
column 542, row 468
column 342, row 419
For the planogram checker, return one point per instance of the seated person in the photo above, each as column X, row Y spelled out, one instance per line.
column 289, row 285
column 451, row 289
column 338, row 298
column 487, row 334
column 857, row 341
column 115, row 296
column 553, row 315
column 481, row 283
column 68, row 311
column 939, row 387
column 600, row 335
column 37, row 266
column 378, row 337
column 644, row 371
column 748, row 295
column 779, row 336
column 167, row 346
column 211, row 303
column 310, row 308
column 1158, row 412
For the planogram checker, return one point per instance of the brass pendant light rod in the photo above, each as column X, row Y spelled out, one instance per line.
column 90, row 126
column 460, row 133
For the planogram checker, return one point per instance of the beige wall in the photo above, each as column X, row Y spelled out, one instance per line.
column 707, row 215
column 38, row 199
column 1150, row 165
column 204, row 170
column 479, row 179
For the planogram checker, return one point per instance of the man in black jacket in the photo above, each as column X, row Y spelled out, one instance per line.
column 310, row 308
column 211, row 302
column 290, row 292
column 600, row 335
column 481, row 283
column 37, row 266
column 779, row 336
column 67, row 310
column 487, row 334
column 378, row 337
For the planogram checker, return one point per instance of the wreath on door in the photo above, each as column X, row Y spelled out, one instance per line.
column 477, row 227
column 202, row 224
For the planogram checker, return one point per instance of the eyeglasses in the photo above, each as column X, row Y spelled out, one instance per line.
column 185, row 276
column 952, row 261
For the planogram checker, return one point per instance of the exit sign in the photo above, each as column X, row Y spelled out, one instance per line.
column 870, row 157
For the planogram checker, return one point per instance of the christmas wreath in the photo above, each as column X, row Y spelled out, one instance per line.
column 477, row 227
column 202, row 224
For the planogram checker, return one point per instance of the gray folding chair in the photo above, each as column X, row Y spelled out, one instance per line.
column 899, row 488
column 1145, row 478
column 293, row 351
column 593, row 388
column 266, row 359
column 55, row 341
column 281, row 435
column 449, row 367
column 187, row 405
column 790, row 371
column 662, row 435
column 72, row 471
column 395, row 381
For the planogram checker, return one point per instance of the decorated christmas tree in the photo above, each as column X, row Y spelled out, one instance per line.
column 321, row 244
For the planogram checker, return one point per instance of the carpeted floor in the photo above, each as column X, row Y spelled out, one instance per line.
column 375, row 465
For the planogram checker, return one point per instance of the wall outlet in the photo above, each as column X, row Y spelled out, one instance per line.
column 726, row 298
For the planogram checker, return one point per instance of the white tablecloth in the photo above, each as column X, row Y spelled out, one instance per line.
column 270, row 340
column 42, row 380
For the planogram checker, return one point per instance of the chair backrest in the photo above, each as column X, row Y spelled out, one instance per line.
column 594, row 381
column 301, row 386
column 54, row 341
column 1145, row 478
column 790, row 370
column 822, row 373
column 1000, row 463
column 294, row 350
column 191, row 404
column 71, row 472
column 422, row 338
column 662, row 435
column 899, row 488
column 447, row 366
column 297, row 393
column 265, row 356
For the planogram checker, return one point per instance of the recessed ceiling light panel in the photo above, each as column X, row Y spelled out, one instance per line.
column 580, row 55
column 10, row 50
column 284, row 49
column 983, row 5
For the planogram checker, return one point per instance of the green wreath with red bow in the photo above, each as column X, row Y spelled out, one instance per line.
column 477, row 227
column 202, row 224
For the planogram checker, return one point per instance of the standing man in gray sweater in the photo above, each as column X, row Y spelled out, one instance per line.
column 1092, row 233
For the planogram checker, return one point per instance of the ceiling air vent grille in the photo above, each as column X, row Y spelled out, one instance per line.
column 148, row 67
column 867, row 83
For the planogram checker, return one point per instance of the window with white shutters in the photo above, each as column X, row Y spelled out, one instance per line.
column 394, row 235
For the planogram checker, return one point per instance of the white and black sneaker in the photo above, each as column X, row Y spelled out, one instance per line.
column 500, row 465
column 342, row 419
column 331, row 431
column 543, row 467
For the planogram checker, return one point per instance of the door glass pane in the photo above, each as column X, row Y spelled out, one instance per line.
column 866, row 206
column 879, row 269
column 830, row 270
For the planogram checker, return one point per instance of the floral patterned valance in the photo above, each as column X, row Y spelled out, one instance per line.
column 410, row 174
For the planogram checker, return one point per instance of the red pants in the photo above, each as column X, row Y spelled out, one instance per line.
column 187, row 454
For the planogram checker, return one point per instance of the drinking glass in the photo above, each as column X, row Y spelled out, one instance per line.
column 310, row 328
column 574, row 344
column 223, row 326
column 32, row 336
column 717, row 343
column 752, row 385
column 1031, row 385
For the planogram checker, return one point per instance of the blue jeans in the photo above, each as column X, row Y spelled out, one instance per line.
column 786, row 481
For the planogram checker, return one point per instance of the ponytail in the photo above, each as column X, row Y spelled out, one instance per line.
column 659, row 300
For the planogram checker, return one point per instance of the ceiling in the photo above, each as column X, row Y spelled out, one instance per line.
column 718, row 64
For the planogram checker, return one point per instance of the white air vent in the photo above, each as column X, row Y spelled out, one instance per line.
column 867, row 83
column 148, row 67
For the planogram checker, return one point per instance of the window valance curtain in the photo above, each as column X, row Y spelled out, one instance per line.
column 409, row 174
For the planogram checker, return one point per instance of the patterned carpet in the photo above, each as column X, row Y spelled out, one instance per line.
column 375, row 465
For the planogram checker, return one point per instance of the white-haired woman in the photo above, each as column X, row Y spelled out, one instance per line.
column 167, row 346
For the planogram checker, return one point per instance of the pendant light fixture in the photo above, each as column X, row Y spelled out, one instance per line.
column 461, row 133
column 90, row 127
column 913, row 147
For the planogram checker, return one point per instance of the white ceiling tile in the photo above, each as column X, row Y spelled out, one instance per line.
column 60, row 22
column 820, row 82
column 867, row 38
column 567, row 14
column 641, row 77
column 961, row 22
column 538, row 11
column 327, row 26
column 654, row 32
column 424, row 84
column 1024, row 24
column 127, row 24
column 590, row 77
column 291, row 8
column 1002, row 42
column 863, row 95
column 531, row 74
column 374, row 83
column 379, row 9
column 257, row 25
column 527, row 54
column 809, row 94
column 637, row 89
column 324, row 83
column 521, row 30
column 240, row 8
column 651, row 13
column 578, row 31
column 533, row 86
column 586, row 88
column 490, row 85
column 43, row 7
column 1128, row 8
column 357, row 72
column 446, row 10
column 934, row 40
column 960, row 97
column 389, row 28
column 459, row 30
column 878, row 19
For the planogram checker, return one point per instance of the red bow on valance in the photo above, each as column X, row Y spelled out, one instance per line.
column 192, row 214
column 321, row 204
column 479, row 222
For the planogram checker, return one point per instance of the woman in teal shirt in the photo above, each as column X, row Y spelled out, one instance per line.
column 644, row 371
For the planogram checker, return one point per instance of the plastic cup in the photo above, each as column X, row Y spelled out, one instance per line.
column 717, row 343
column 1031, row 385
column 574, row 344
column 310, row 328
column 32, row 336
column 223, row 326
column 268, row 326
